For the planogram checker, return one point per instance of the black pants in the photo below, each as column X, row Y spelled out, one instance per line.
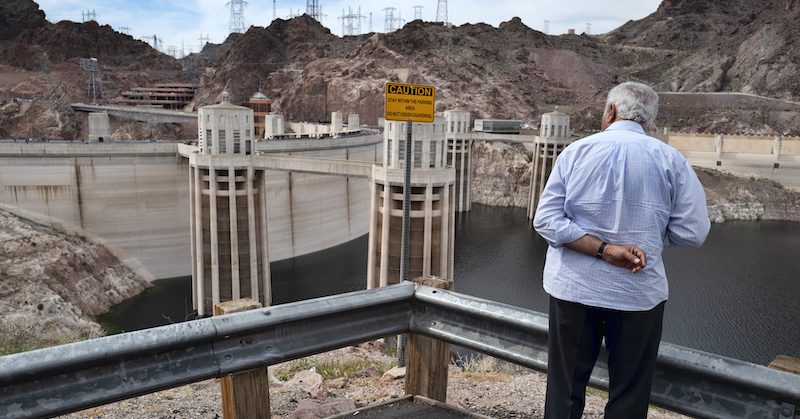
column 576, row 333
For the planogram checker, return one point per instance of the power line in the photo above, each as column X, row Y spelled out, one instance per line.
column 441, row 12
column 351, row 22
column 313, row 10
column 392, row 23
column 89, row 16
column 417, row 12
column 237, row 16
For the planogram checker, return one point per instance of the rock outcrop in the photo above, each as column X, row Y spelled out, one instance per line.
column 501, row 174
column 18, row 17
column 57, row 283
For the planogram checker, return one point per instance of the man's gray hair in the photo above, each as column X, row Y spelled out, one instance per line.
column 634, row 102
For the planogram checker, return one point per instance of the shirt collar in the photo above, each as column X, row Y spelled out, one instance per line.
column 627, row 126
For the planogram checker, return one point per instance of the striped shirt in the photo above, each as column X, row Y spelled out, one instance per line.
column 622, row 187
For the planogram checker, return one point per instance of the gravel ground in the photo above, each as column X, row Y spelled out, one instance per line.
column 516, row 394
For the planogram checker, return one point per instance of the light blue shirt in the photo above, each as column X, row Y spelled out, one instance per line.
column 622, row 187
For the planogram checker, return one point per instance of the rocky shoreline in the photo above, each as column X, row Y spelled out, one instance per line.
column 53, row 283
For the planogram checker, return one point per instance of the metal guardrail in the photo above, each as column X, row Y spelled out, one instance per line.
column 77, row 376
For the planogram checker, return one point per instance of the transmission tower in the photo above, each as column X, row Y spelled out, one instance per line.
column 370, row 22
column 313, row 10
column 89, row 16
column 546, row 27
column 274, row 10
column 588, row 28
column 392, row 23
column 417, row 12
column 203, row 41
column 237, row 16
column 351, row 22
column 95, row 89
column 152, row 40
column 293, row 14
column 124, row 29
column 441, row 12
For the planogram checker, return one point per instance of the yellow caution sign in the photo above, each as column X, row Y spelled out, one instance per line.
column 410, row 101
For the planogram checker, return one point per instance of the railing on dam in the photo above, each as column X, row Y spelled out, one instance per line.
column 72, row 377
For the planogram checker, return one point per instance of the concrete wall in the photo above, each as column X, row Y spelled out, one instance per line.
column 693, row 142
column 133, row 195
column 743, row 154
column 308, row 212
column 790, row 146
column 136, row 196
column 747, row 144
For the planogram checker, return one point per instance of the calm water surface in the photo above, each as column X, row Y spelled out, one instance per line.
column 738, row 295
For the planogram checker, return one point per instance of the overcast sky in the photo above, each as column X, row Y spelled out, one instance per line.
column 178, row 22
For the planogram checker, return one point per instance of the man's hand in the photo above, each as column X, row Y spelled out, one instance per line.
column 627, row 256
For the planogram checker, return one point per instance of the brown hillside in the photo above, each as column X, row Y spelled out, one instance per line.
column 17, row 17
column 506, row 72
column 68, row 41
column 746, row 46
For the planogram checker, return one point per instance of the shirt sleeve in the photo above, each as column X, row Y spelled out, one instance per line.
column 688, row 223
column 551, row 220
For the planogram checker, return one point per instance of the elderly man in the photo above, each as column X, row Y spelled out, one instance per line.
column 613, row 200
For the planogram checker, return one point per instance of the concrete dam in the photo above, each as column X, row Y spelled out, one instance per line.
column 136, row 196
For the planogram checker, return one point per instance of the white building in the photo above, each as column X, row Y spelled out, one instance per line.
column 225, row 128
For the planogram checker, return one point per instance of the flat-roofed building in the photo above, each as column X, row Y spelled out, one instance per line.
column 168, row 96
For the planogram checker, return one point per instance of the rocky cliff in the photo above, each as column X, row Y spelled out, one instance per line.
column 501, row 177
column 53, row 284
column 18, row 17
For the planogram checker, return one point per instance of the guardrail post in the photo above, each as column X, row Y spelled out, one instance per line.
column 428, row 359
column 244, row 395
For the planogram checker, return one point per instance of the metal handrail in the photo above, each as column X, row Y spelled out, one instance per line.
column 67, row 378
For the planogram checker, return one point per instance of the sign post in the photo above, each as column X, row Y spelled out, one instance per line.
column 411, row 103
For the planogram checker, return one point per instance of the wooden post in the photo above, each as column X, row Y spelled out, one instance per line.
column 427, row 358
column 786, row 363
column 244, row 395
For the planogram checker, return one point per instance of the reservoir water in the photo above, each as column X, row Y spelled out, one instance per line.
column 737, row 296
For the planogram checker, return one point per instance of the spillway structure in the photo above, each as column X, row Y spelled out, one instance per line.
column 228, row 211
column 432, row 203
column 554, row 136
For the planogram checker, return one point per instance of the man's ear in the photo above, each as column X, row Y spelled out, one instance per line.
column 608, row 117
column 611, row 115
